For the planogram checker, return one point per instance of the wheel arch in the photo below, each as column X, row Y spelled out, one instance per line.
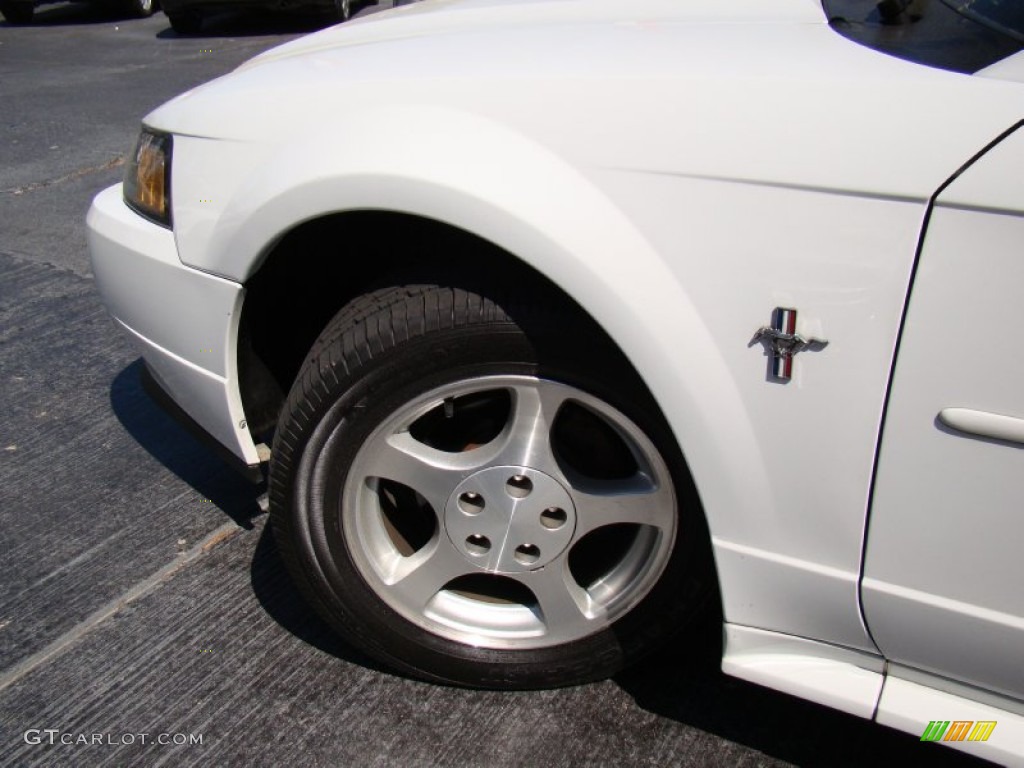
column 524, row 211
column 306, row 278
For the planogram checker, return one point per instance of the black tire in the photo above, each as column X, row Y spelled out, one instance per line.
column 17, row 13
column 139, row 9
column 185, row 22
column 343, row 10
column 369, row 366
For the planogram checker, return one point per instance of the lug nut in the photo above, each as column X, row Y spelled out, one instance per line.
column 478, row 545
column 527, row 554
column 553, row 518
column 471, row 503
column 519, row 486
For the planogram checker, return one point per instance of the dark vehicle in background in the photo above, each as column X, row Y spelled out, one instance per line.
column 22, row 11
column 186, row 16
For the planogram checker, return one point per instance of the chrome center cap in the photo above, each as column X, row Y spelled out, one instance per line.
column 510, row 519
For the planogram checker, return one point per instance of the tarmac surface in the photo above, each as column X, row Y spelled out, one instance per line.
column 141, row 596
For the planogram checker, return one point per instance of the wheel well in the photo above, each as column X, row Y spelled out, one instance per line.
column 321, row 265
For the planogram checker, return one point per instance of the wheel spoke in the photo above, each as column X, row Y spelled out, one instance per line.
column 430, row 472
column 566, row 609
column 637, row 501
column 415, row 580
column 526, row 440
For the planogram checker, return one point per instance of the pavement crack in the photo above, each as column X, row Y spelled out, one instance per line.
column 17, row 671
column 114, row 162
column 81, row 558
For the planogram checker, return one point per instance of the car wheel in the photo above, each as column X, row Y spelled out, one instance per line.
column 17, row 13
column 475, row 493
column 140, row 9
column 343, row 10
column 185, row 22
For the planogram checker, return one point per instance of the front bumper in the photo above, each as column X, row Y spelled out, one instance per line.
column 184, row 322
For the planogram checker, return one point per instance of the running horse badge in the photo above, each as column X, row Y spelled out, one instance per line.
column 783, row 342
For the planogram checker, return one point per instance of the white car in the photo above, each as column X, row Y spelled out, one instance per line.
column 558, row 320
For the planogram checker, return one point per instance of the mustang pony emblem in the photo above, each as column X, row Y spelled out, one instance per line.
column 783, row 342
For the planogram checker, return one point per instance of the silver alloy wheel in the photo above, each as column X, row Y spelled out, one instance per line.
column 511, row 523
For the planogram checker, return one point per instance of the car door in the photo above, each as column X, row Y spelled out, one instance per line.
column 943, row 581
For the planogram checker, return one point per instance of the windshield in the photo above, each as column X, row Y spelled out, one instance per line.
column 1006, row 16
column 959, row 35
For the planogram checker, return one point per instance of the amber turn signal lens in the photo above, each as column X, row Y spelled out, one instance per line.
column 147, row 180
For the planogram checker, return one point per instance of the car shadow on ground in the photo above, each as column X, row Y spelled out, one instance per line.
column 685, row 683
column 252, row 22
column 283, row 602
column 179, row 451
column 176, row 449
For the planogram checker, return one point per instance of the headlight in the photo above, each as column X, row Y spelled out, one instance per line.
column 147, row 180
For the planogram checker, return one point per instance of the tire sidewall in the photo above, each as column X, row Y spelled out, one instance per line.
column 188, row 22
column 16, row 13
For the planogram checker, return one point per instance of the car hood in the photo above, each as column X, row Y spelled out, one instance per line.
column 446, row 17
column 438, row 39
column 756, row 90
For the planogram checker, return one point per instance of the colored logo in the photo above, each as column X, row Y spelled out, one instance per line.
column 958, row 730
column 783, row 342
